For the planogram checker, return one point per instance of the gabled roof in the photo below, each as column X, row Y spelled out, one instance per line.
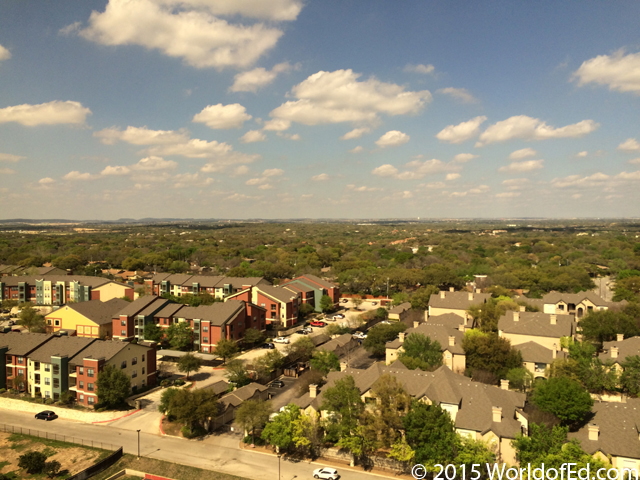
column 98, row 312
column 101, row 349
column 403, row 307
column 60, row 346
column 451, row 320
column 240, row 395
column 575, row 298
column 22, row 343
column 139, row 305
column 317, row 281
column 169, row 310
column 338, row 342
column 537, row 324
column 218, row 313
column 534, row 352
column 280, row 294
column 207, row 281
column 458, row 300
column 434, row 331
column 626, row 348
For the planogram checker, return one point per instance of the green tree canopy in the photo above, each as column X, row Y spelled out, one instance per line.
column 418, row 351
column 326, row 303
column 31, row 319
column 193, row 407
column 237, row 373
column 300, row 350
column 180, row 335
column 430, row 432
column 490, row 352
column 563, row 397
column 153, row 332
column 253, row 414
column 604, row 325
column 113, row 385
column 280, row 431
column 325, row 362
column 379, row 335
column 226, row 348
column 189, row 363
column 343, row 400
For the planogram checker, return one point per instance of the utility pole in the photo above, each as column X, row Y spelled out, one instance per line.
column 138, row 444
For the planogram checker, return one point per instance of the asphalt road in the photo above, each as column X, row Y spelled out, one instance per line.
column 216, row 452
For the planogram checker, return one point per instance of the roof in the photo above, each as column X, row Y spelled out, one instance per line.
column 435, row 331
column 317, row 280
column 100, row 349
column 575, row 298
column 169, row 310
column 60, row 346
column 534, row 352
column 137, row 306
column 626, row 348
column 219, row 387
column 451, row 320
column 22, row 343
column 242, row 394
column 320, row 339
column 93, row 282
column 98, row 312
column 403, row 307
column 280, row 294
column 537, row 324
column 338, row 342
column 297, row 285
column 457, row 300
column 619, row 424
column 218, row 313
column 207, row 281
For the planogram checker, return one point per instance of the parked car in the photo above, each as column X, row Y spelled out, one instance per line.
column 326, row 473
column 11, row 323
column 281, row 340
column 268, row 345
column 359, row 335
column 277, row 384
column 345, row 300
column 46, row 415
column 318, row 323
column 304, row 331
column 338, row 316
column 385, row 322
column 374, row 303
column 307, row 330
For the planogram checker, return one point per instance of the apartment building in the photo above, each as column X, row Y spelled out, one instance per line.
column 312, row 289
column 216, row 286
column 86, row 319
column 542, row 328
column 15, row 349
column 281, row 305
column 576, row 304
column 455, row 302
column 129, row 322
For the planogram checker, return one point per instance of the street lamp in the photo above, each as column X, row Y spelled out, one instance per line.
column 279, row 456
column 138, row 444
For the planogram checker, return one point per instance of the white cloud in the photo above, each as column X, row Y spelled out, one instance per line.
column 508, row 195
column 194, row 148
column 8, row 157
column 460, row 94
column 320, row 178
column 289, row 136
column 516, row 183
column 277, row 125
column 582, row 154
column 241, row 170
column 452, row 176
column 4, row 54
column 363, row 188
column 416, row 169
column 480, row 189
column 75, row 175
column 141, row 136
column 619, row 71
column 461, row 132
column 519, row 167
column 265, row 186
column 223, row 116
column 634, row 160
column 392, row 138
column 255, row 181
column 7, row 171
column 528, row 128
column 385, row 170
column 522, row 153
column 267, row 176
column 115, row 171
column 336, row 97
column 186, row 180
column 464, row 157
column 458, row 194
column 436, row 185
column 355, row 133
column 357, row 149
column 595, row 180
column 46, row 181
column 153, row 164
column 277, row 10
column 253, row 80
column 253, row 136
column 629, row 145
column 424, row 69
column 52, row 113
column 273, row 172
column 183, row 30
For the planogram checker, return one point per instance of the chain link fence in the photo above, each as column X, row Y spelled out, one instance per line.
column 58, row 437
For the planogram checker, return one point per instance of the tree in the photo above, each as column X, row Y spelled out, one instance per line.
column 418, row 351
column 253, row 336
column 563, row 397
column 604, row 326
column 226, row 348
column 305, row 310
column 378, row 336
column 113, row 386
column 153, row 332
column 253, row 414
column 269, row 362
column 237, row 373
column 52, row 469
column 300, row 350
column 18, row 382
column 279, row 431
column 165, row 400
column 180, row 335
column 343, row 400
column 326, row 303
column 189, row 363
column 489, row 352
column 32, row 461
column 627, row 288
column 420, row 298
column 357, row 301
column 325, row 361
column 358, row 443
column 193, row 407
column 520, row 379
column 470, row 452
column 306, row 435
column 430, row 431
column 630, row 378
column 31, row 319
column 392, row 402
column 336, row 329
column 402, row 452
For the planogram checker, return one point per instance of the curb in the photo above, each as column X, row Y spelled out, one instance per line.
column 114, row 419
column 161, row 430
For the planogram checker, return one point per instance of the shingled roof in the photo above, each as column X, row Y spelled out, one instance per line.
column 403, row 307
column 101, row 349
column 536, row 353
column 22, row 343
column 435, row 331
column 60, row 346
column 218, row 313
column 98, row 312
column 457, row 300
column 626, row 348
column 240, row 395
column 537, row 324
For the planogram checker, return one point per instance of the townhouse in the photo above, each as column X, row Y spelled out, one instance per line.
column 537, row 358
column 137, row 361
column 576, row 304
column 129, row 322
column 312, row 289
column 229, row 403
column 281, row 305
column 542, row 328
column 455, row 302
column 86, row 319
column 479, row 411
column 400, row 312
column 15, row 349
column 181, row 284
column 61, row 289
column 618, row 350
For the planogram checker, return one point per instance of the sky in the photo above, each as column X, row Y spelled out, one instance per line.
column 282, row 109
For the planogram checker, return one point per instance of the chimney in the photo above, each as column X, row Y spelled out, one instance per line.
column 401, row 337
column 451, row 289
column 442, row 292
column 594, row 432
column 554, row 319
column 554, row 351
column 416, row 323
column 504, row 384
column 462, row 327
column 620, row 337
column 343, row 366
column 313, row 390
column 497, row 414
column 452, row 340
column 516, row 316
column 470, row 295
column 614, row 352
column 523, row 308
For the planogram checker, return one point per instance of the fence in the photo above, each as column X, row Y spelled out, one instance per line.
column 101, row 466
column 58, row 437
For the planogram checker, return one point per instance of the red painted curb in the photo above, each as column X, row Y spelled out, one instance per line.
column 192, row 385
column 161, row 430
column 114, row 419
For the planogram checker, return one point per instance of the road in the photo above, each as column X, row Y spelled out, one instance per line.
column 215, row 452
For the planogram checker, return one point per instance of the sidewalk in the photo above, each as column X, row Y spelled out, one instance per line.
column 66, row 413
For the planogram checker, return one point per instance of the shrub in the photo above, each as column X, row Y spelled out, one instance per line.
column 32, row 461
column 179, row 382
column 197, row 432
column 49, row 401
column 258, row 441
column 52, row 468
column 3, row 390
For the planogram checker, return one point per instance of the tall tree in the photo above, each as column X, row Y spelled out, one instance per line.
column 325, row 362
column 430, row 431
column 418, row 351
column 226, row 348
column 180, row 336
column 379, row 335
column 237, row 373
column 392, row 403
column 280, row 431
column 189, row 363
column 194, row 408
column 630, row 377
column 326, row 303
column 563, row 397
column 343, row 400
column 490, row 353
column 300, row 350
column 113, row 386
column 153, row 332
column 31, row 319
column 604, row 325
column 253, row 414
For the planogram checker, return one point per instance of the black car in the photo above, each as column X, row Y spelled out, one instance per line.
column 46, row 415
column 277, row 384
column 269, row 346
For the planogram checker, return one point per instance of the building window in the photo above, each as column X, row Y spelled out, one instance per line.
column 47, row 368
column 205, row 349
column 90, row 387
column 205, row 329
column 143, row 357
column 123, row 323
column 82, row 398
column 48, row 321
column 47, row 394
column 273, row 307
column 81, row 372
column 81, row 385
column 262, row 305
column 89, row 372
column 123, row 333
column 143, row 370
column 47, row 381
column 91, row 400
column 205, row 339
column 56, row 322
column 56, row 369
column 134, row 361
column 123, row 364
column 56, row 383
column 134, row 374
column 20, row 359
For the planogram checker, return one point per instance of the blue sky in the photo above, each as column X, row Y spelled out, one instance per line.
column 321, row 109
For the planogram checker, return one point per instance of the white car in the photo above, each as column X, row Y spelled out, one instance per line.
column 328, row 473
column 339, row 316
column 281, row 340
column 374, row 303
column 359, row 335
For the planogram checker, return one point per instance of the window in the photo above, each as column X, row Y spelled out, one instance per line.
column 262, row 305
column 36, row 365
column 205, row 349
column 134, row 374
column 48, row 321
column 90, row 387
column 273, row 315
column 123, row 323
column 56, row 383
column 143, row 357
column 143, row 370
column 273, row 307
column 205, row 328
column 231, row 327
column 81, row 385
column 56, row 369
column 134, row 361
column 124, row 364
column 47, row 381
column 47, row 394
column 82, row 398
column 81, row 370
column 89, row 372
column 20, row 359
column 91, row 400
column 56, row 322
column 205, row 339
column 47, row 368
column 142, row 383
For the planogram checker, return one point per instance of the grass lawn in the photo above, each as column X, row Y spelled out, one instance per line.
column 165, row 469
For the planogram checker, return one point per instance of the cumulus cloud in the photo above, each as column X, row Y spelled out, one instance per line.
column 582, row 154
column 525, row 166
column 7, row 157
column 336, row 97
column 595, row 180
column 634, row 160
column 508, row 195
column 528, row 128
column 415, row 169
column 424, row 69
column 277, row 125
column 46, row 181
column 75, row 175
column 153, row 164
column 186, row 180
column 7, row 171
column 253, row 136
column 223, row 116
column 522, row 153
column 461, row 132
column 289, row 136
column 115, row 171
column 277, row 10
column 4, row 54
column 273, row 172
column 464, row 157
column 459, row 94
column 140, row 136
column 355, row 133
column 51, row 113
column 619, row 72
column 320, row 178
column 267, row 176
column 452, row 176
column 357, row 149
column 392, row 138
column 629, row 145
column 362, row 188
column 516, row 183
column 253, row 80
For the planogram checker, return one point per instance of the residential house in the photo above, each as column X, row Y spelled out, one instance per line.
column 537, row 358
column 86, row 319
column 400, row 312
column 618, row 350
column 479, row 411
column 129, row 322
column 543, row 328
column 342, row 345
column 229, row 403
column 281, row 304
column 449, row 338
column 137, row 361
column 15, row 349
column 216, row 286
column 576, row 304
column 455, row 302
column 313, row 289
